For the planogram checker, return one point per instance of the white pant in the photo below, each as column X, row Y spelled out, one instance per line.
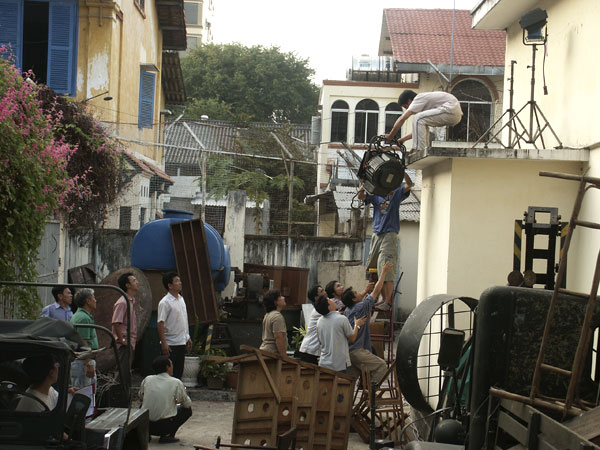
column 430, row 118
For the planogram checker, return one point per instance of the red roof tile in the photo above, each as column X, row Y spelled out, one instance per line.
column 421, row 34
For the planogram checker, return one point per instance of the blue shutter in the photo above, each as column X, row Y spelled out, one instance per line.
column 11, row 28
column 62, row 46
column 146, row 115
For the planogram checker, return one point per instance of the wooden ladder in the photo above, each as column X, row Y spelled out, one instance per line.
column 574, row 375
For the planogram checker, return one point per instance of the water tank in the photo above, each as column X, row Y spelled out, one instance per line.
column 152, row 247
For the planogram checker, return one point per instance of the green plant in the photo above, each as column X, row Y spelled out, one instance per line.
column 298, row 337
column 213, row 369
column 34, row 184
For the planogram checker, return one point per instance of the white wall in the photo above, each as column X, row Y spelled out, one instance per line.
column 467, row 219
column 571, row 106
column 409, row 257
column 383, row 94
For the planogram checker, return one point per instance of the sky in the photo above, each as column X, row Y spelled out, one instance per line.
column 326, row 32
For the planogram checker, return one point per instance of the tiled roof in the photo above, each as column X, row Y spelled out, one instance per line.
column 418, row 35
column 144, row 166
column 220, row 137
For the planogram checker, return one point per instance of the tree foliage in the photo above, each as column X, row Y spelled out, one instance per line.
column 265, row 179
column 97, row 164
column 55, row 159
column 258, row 83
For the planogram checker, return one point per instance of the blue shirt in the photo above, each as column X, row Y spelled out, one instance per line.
column 55, row 311
column 358, row 310
column 386, row 210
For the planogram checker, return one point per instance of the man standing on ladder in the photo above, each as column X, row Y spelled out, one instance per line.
column 384, row 243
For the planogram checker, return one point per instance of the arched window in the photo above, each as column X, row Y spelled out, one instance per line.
column 366, row 117
column 477, row 106
column 339, row 121
column 392, row 112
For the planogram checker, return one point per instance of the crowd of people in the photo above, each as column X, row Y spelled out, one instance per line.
column 337, row 335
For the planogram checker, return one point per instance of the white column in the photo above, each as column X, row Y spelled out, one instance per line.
column 233, row 236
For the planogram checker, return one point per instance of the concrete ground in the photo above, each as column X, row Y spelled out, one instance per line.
column 213, row 418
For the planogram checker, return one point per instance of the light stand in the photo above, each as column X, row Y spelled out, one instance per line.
column 534, row 24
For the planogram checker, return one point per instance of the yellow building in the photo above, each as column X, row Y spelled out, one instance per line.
column 118, row 57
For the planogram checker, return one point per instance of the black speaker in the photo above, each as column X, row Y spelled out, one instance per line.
column 451, row 348
column 381, row 172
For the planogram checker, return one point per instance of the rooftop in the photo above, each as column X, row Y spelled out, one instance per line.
column 414, row 36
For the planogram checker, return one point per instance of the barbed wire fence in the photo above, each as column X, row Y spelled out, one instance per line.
column 203, row 162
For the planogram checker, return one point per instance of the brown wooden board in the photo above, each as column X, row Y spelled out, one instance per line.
column 316, row 401
column 193, row 267
column 292, row 282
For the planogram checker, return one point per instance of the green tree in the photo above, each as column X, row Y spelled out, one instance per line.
column 265, row 178
column 262, row 83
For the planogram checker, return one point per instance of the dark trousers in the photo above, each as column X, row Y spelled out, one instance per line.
column 307, row 357
column 178, row 359
column 169, row 426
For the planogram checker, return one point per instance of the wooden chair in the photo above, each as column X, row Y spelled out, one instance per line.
column 285, row 441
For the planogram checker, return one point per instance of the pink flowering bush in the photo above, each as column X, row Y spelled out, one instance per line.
column 96, row 173
column 34, row 183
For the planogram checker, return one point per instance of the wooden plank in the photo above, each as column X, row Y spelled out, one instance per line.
column 193, row 266
column 272, row 384
column 586, row 424
column 553, row 434
column 333, row 394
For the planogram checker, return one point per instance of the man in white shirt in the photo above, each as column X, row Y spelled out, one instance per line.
column 43, row 373
column 334, row 332
column 310, row 350
column 160, row 395
column 173, row 328
column 431, row 109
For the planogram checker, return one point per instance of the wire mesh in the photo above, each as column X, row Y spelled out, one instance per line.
column 454, row 314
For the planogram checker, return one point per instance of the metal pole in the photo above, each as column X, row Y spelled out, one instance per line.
column 532, row 101
column 511, row 92
column 203, row 214
column 290, row 206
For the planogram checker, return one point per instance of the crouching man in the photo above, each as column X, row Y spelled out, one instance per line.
column 161, row 394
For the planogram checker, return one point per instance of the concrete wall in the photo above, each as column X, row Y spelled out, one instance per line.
column 408, row 263
column 468, row 211
column 570, row 107
column 306, row 253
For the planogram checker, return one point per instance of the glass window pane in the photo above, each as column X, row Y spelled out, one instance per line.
column 339, row 126
column 360, row 119
column 191, row 13
column 390, row 120
column 372, row 119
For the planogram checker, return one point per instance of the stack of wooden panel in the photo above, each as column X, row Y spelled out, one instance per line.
column 276, row 393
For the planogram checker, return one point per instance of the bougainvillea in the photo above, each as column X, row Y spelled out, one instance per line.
column 34, row 184
column 97, row 166
column 56, row 160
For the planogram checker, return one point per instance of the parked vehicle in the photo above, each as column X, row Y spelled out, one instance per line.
column 109, row 428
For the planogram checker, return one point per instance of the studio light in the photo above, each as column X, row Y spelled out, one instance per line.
column 533, row 24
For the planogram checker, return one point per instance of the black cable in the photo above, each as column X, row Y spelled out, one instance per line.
column 544, row 63
column 422, row 418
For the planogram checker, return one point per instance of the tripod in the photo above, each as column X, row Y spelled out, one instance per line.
column 517, row 131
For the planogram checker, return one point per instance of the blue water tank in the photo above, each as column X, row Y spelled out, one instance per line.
column 152, row 247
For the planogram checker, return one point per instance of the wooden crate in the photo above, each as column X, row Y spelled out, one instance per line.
column 276, row 393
